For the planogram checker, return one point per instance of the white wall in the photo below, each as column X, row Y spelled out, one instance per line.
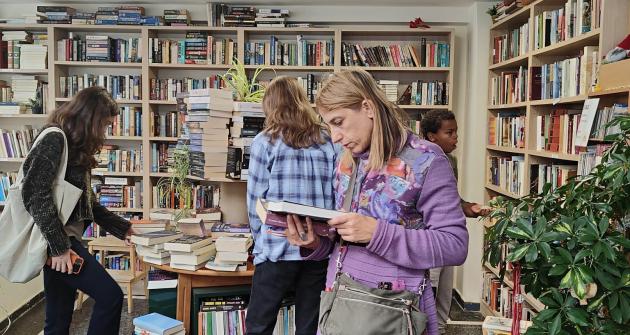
column 13, row 296
column 471, row 26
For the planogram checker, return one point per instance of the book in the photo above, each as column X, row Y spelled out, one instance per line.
column 231, row 257
column 190, row 259
column 192, row 226
column 187, row 243
column 212, row 265
column 160, row 279
column 140, row 331
column 493, row 325
column 158, row 323
column 155, row 237
column 200, row 251
column 276, row 215
column 237, row 243
column 229, row 229
column 188, row 267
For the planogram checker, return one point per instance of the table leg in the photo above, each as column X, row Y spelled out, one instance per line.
column 184, row 297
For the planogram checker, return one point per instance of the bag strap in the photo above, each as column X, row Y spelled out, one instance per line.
column 61, row 172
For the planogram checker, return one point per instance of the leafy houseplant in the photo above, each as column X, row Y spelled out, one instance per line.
column 247, row 90
column 572, row 245
column 179, row 183
column 492, row 11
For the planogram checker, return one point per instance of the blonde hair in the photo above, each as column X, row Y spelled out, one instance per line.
column 289, row 114
column 348, row 89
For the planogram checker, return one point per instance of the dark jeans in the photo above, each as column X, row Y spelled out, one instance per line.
column 272, row 281
column 60, row 290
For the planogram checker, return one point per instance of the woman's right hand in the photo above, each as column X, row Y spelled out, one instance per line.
column 296, row 234
column 63, row 262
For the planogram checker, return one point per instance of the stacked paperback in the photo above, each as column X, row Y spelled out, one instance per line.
column 151, row 246
column 231, row 253
column 209, row 113
column 390, row 87
column 248, row 120
column 190, row 252
column 271, row 17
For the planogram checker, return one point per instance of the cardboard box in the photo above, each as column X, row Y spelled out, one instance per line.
column 614, row 75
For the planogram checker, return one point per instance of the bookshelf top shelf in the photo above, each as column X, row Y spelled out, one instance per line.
column 398, row 31
column 518, row 17
column 291, row 68
column 571, row 44
column 99, row 64
column 400, row 69
column 189, row 66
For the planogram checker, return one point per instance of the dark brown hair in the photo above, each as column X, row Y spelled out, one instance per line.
column 84, row 120
column 290, row 115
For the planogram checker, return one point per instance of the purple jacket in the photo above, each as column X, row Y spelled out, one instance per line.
column 420, row 221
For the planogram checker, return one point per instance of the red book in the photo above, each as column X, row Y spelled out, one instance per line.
column 4, row 62
column 279, row 220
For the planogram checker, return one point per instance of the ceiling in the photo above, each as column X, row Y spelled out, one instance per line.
column 271, row 3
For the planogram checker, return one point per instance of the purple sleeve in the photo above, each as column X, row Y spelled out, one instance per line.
column 443, row 242
column 323, row 250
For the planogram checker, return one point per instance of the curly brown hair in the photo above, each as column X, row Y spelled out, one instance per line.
column 84, row 120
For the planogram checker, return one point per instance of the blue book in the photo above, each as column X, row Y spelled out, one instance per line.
column 158, row 323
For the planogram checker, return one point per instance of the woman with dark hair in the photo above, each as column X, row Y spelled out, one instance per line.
column 83, row 120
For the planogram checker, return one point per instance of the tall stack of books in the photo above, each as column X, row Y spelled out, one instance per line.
column 176, row 17
column 190, row 252
column 238, row 16
column 33, row 56
column 209, row 113
column 150, row 246
column 84, row 18
column 155, row 323
column 24, row 88
column 271, row 17
column 248, row 119
column 390, row 87
column 55, row 14
column 232, row 253
column 98, row 48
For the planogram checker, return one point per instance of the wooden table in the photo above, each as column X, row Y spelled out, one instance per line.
column 187, row 280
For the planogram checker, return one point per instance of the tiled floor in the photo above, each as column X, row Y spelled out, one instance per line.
column 464, row 322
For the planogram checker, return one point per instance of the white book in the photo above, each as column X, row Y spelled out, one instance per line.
column 302, row 210
column 190, row 259
column 233, row 243
column 203, row 250
column 186, row 266
column 586, row 122
column 187, row 243
column 231, row 257
column 157, row 261
column 155, row 237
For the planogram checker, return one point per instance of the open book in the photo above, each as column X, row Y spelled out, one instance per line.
column 274, row 213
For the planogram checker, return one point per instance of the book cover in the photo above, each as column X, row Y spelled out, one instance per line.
column 275, row 214
column 237, row 243
column 187, row 243
column 158, row 323
column 155, row 237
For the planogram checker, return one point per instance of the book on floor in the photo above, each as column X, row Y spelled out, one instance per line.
column 274, row 214
column 158, row 323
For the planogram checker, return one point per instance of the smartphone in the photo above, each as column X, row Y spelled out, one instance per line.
column 77, row 263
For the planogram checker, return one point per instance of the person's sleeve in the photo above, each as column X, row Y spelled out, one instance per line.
column 40, row 170
column 257, row 181
column 112, row 223
column 444, row 241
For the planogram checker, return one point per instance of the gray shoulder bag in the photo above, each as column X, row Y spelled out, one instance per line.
column 353, row 308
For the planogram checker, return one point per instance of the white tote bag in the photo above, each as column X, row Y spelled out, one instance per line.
column 23, row 249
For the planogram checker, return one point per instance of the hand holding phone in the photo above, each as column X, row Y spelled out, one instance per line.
column 68, row 262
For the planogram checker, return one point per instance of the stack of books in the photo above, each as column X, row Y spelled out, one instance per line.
column 176, row 17
column 24, row 88
column 160, row 279
column 156, row 323
column 107, row 16
column 209, row 113
column 190, row 252
column 271, row 17
column 248, row 120
column 238, row 16
column 390, row 87
column 231, row 253
column 130, row 15
column 150, row 246
column 55, row 14
column 219, row 229
column 10, row 48
column 148, row 226
column 33, row 56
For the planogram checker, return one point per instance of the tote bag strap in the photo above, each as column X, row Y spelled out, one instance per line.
column 61, row 172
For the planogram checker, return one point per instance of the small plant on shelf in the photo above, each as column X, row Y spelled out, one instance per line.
column 179, row 183
column 572, row 246
column 246, row 89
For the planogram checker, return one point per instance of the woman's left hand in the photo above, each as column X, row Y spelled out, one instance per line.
column 128, row 236
column 354, row 227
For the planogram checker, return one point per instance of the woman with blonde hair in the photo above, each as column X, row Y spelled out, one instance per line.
column 292, row 159
column 404, row 210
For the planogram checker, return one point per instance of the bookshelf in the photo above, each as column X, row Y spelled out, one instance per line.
column 232, row 204
column 613, row 28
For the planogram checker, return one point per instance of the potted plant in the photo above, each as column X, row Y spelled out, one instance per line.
column 245, row 89
column 179, row 183
column 572, row 246
column 493, row 11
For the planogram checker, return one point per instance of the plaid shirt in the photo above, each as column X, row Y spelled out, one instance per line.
column 278, row 172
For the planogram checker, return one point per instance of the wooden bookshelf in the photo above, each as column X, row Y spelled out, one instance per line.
column 233, row 197
column 614, row 27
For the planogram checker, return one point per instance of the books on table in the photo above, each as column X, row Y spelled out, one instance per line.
column 192, row 226
column 213, row 265
column 231, row 257
column 236, row 243
column 158, row 324
column 274, row 214
column 155, row 237
column 187, row 243
column 160, row 279
column 229, row 229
